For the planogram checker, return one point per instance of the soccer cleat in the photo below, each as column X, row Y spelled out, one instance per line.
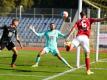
column 89, row 72
column 67, row 48
column 67, row 45
column 35, row 65
column 13, row 65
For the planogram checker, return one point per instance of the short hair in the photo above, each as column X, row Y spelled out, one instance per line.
column 82, row 13
column 14, row 20
column 52, row 23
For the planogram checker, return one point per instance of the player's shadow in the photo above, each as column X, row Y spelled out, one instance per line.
column 30, row 69
column 23, row 70
column 18, row 70
column 5, row 57
column 6, row 69
column 28, row 65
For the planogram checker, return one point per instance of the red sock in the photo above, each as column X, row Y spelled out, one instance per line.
column 87, row 62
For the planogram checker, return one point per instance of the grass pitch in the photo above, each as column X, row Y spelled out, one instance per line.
column 49, row 66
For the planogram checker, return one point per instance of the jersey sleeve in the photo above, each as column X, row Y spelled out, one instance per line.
column 40, row 34
column 3, row 27
column 61, row 35
column 92, row 20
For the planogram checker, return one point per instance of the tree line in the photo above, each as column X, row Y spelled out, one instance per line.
column 10, row 5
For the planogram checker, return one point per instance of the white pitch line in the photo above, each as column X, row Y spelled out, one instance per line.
column 68, row 71
column 21, row 75
column 60, row 74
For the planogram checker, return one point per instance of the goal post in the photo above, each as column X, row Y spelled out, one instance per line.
column 78, row 49
column 98, row 32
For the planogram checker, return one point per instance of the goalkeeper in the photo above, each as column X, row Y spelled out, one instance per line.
column 51, row 44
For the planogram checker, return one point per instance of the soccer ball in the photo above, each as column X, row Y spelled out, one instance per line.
column 67, row 45
column 64, row 14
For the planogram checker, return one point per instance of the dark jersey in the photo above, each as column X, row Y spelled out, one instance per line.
column 8, row 33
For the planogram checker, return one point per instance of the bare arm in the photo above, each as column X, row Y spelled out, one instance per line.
column 71, row 31
column 60, row 34
column 18, row 40
column 38, row 34
column 100, row 19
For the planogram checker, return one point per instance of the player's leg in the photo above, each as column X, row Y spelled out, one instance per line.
column 75, row 43
column 71, row 47
column 87, row 62
column 41, row 53
column 85, row 44
column 12, row 47
column 63, row 60
column 14, row 56
column 55, row 52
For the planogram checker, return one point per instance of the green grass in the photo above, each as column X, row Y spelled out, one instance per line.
column 49, row 66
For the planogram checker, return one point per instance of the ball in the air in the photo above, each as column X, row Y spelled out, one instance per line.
column 64, row 14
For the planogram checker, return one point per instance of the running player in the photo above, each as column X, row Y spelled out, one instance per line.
column 6, row 39
column 51, row 44
column 83, row 27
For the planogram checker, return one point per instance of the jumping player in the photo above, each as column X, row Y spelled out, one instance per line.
column 51, row 44
column 83, row 27
column 6, row 39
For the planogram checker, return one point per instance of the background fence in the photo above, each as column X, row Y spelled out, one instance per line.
column 42, row 17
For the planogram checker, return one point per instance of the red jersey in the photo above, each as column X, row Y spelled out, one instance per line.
column 84, row 26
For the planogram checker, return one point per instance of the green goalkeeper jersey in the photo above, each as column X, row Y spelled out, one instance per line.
column 51, row 38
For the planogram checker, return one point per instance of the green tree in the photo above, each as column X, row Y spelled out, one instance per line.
column 7, row 6
column 26, row 3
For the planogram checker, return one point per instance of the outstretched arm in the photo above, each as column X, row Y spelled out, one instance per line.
column 2, row 27
column 71, row 31
column 38, row 34
column 67, row 35
column 100, row 19
column 61, row 34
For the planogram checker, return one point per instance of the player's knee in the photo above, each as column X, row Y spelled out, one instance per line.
column 59, row 56
column 87, row 54
column 72, row 46
column 40, row 54
column 15, row 52
column 15, row 55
